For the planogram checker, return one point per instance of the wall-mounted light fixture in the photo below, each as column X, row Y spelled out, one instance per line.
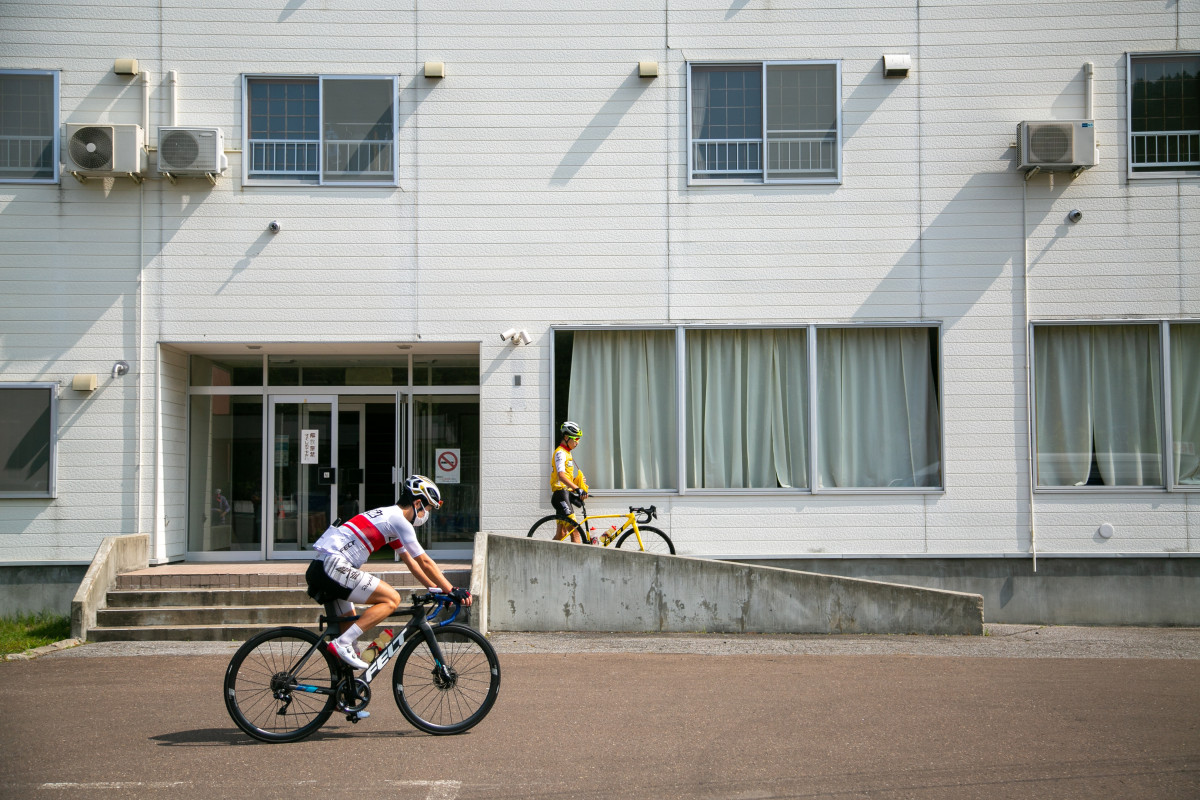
column 647, row 69
column 435, row 69
column 515, row 336
column 120, row 368
column 896, row 65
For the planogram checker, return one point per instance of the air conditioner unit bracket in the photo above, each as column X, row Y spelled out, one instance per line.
column 1030, row 173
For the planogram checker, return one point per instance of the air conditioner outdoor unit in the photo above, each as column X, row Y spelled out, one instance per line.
column 104, row 150
column 1057, row 145
column 191, row 151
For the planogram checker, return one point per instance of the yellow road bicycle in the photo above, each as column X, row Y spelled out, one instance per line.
column 630, row 533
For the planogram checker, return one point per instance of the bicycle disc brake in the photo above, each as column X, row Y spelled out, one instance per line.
column 444, row 677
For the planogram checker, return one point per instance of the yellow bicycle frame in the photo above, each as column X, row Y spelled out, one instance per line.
column 630, row 519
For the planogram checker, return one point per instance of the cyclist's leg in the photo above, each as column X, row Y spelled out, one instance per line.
column 383, row 601
column 561, row 502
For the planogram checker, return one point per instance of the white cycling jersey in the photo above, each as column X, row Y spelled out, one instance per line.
column 363, row 534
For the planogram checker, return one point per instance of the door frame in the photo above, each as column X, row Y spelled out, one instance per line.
column 269, row 551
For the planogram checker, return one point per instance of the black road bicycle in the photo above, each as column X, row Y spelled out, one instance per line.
column 285, row 683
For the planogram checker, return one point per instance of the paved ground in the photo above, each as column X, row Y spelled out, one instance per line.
column 1024, row 712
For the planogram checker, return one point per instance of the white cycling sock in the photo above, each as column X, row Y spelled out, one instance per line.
column 351, row 635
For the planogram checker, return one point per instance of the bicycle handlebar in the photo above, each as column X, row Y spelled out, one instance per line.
column 651, row 513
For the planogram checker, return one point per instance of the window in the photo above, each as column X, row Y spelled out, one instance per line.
column 747, row 409
column 1164, row 113
column 878, row 412
column 28, row 444
column 324, row 130
column 772, row 122
column 738, row 412
column 28, row 126
column 620, row 387
column 1185, row 407
column 1098, row 401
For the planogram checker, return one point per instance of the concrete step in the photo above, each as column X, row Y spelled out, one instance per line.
column 138, row 598
column 180, row 633
column 149, row 580
column 303, row 615
column 215, row 602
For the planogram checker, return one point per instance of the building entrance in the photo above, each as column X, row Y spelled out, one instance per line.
column 269, row 472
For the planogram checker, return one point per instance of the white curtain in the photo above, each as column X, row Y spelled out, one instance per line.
column 1098, row 396
column 1185, row 401
column 622, row 393
column 877, row 405
column 747, row 409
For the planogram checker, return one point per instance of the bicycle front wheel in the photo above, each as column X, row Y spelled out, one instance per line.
column 453, row 699
column 547, row 528
column 653, row 541
column 273, row 697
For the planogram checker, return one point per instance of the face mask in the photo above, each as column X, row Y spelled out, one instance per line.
column 420, row 517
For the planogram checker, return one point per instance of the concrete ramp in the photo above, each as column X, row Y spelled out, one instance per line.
column 536, row 585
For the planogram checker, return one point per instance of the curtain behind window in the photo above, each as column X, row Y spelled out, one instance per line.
column 878, row 413
column 622, row 393
column 1098, row 395
column 1185, row 401
column 747, row 407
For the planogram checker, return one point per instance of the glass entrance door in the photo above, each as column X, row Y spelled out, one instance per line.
column 445, row 440
column 302, row 474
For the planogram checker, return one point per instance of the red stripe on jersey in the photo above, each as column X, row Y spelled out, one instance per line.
column 367, row 533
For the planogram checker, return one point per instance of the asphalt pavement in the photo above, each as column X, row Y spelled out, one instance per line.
column 1025, row 711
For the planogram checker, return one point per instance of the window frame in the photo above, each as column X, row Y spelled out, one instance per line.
column 52, row 470
column 321, row 180
column 54, row 128
column 764, row 180
column 681, row 409
column 1167, row 465
column 1130, row 172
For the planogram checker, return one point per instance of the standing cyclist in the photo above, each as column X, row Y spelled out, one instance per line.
column 567, row 484
column 336, row 574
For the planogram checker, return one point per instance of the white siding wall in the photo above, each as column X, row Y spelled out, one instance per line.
column 542, row 183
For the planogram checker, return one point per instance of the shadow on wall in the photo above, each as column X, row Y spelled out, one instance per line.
column 599, row 128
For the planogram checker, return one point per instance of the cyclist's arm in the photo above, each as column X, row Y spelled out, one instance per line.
column 427, row 572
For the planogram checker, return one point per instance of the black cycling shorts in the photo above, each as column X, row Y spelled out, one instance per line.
column 560, row 499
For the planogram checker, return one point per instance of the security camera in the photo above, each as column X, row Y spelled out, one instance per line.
column 273, row 227
column 508, row 334
column 1075, row 215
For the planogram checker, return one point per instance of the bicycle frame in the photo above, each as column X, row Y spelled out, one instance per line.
column 419, row 622
column 630, row 520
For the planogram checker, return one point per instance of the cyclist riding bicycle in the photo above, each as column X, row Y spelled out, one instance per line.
column 568, row 486
column 336, row 574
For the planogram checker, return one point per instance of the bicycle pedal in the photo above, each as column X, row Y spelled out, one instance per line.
column 355, row 716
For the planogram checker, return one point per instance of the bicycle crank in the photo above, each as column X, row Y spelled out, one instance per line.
column 352, row 698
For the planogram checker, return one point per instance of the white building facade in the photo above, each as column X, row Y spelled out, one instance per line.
column 794, row 267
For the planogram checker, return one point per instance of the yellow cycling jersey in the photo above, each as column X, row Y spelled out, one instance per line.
column 562, row 461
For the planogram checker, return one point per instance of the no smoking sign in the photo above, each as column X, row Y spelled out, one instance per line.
column 447, row 461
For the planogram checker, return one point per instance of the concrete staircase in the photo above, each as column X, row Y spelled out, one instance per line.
column 212, row 604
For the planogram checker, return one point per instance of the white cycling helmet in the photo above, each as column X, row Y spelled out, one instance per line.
column 570, row 429
column 420, row 487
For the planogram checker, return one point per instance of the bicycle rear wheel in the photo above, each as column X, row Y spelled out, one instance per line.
column 654, row 541
column 547, row 527
column 273, row 698
column 457, row 699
